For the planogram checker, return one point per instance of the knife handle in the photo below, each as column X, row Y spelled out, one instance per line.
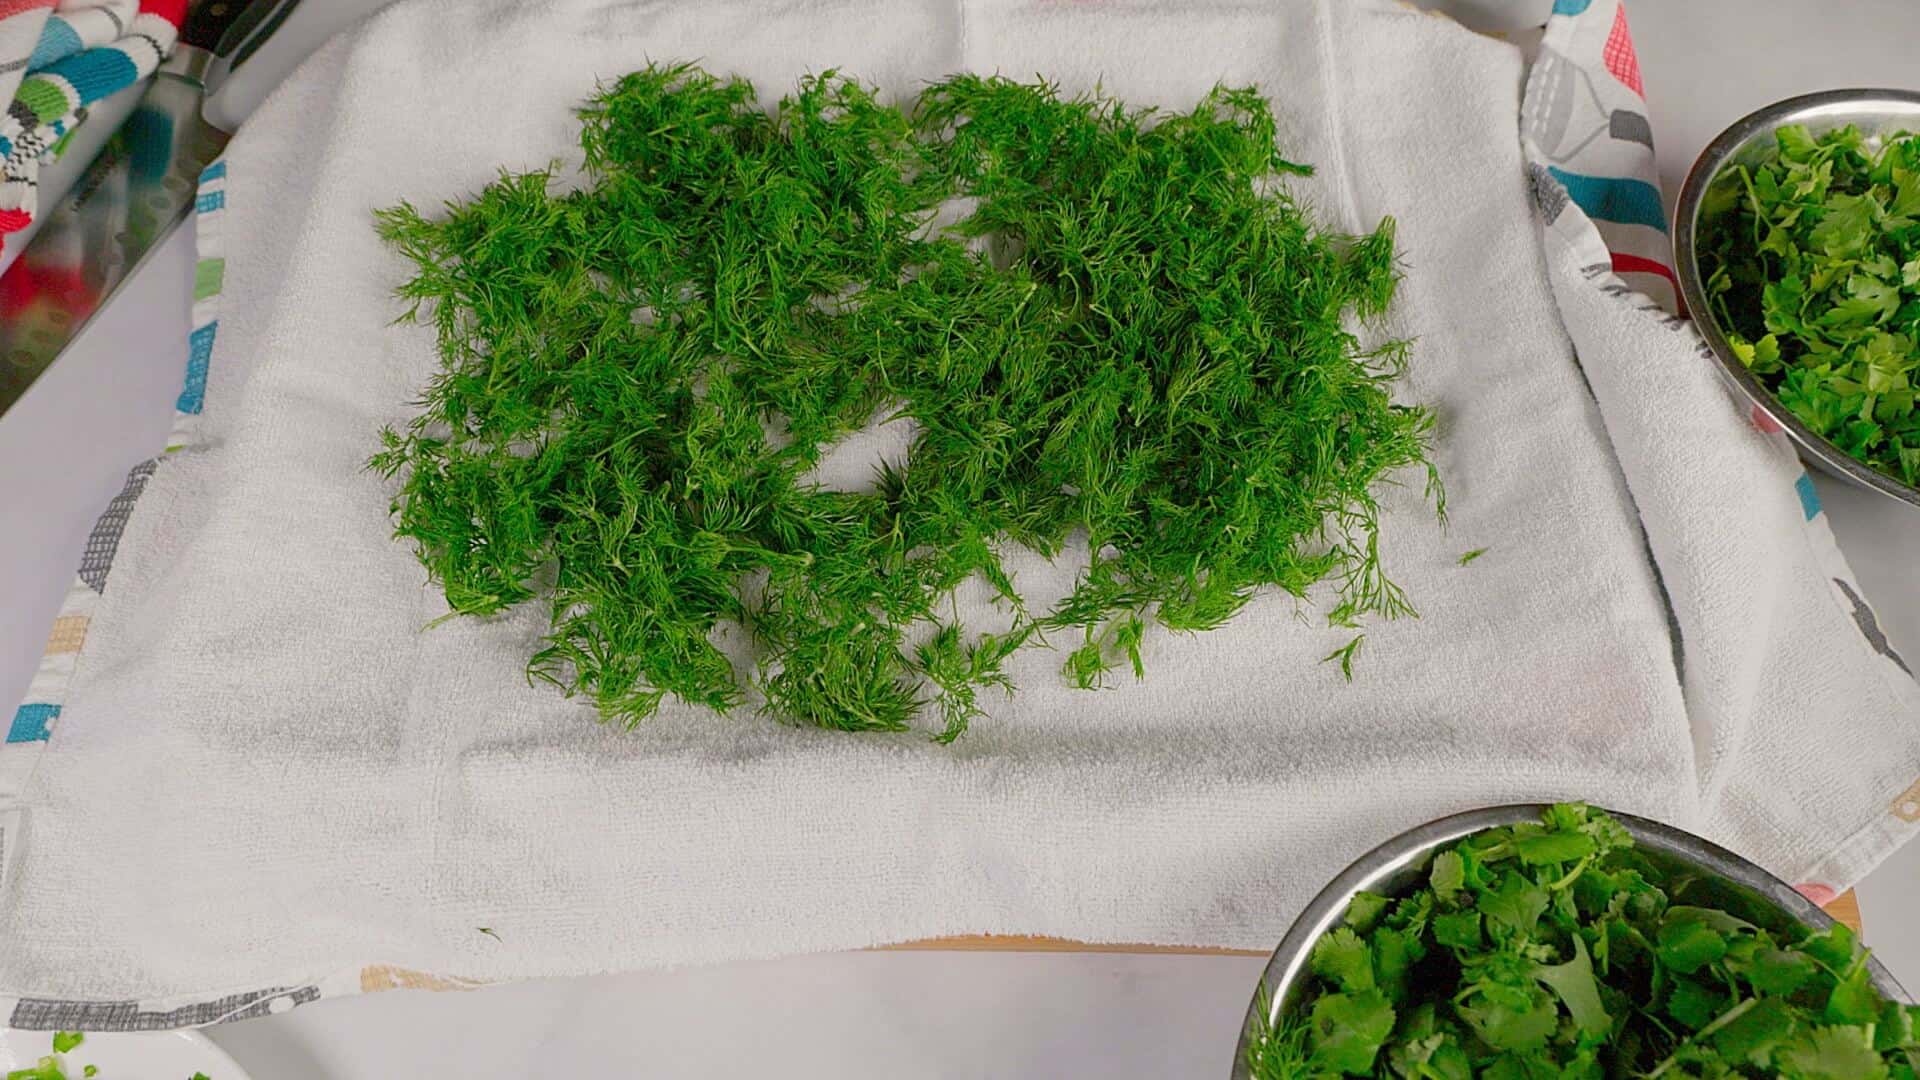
column 209, row 20
column 252, row 29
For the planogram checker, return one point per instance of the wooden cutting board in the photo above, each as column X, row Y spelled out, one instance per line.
column 1844, row 908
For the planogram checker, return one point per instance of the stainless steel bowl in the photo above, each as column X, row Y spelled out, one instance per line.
column 1749, row 140
column 1400, row 864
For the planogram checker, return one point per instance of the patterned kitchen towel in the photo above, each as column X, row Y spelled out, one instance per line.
column 21, row 24
column 49, row 102
column 78, row 25
column 254, row 699
column 1773, row 628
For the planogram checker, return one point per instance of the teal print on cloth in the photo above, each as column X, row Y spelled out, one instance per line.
column 30, row 723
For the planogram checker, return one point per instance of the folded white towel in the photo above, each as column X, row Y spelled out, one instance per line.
column 267, row 776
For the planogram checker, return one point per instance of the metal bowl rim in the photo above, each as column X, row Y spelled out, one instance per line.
column 1686, row 268
column 1327, row 907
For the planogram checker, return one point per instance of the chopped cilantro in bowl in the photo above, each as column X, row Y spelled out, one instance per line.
column 1811, row 258
column 1563, row 948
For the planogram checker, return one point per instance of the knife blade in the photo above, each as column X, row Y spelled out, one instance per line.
column 130, row 198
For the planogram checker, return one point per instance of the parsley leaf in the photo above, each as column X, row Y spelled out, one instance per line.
column 1846, row 227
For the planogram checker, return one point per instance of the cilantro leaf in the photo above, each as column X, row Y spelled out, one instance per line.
column 1751, row 1036
column 1344, row 959
column 1834, row 948
column 1449, row 874
column 1895, row 1029
column 1515, row 906
column 1687, row 944
column 1833, row 1053
column 1458, row 930
column 1348, row 1031
column 1511, row 1017
column 1436, row 1055
column 1394, row 954
column 1519, row 1067
column 1694, row 1003
column 1777, row 971
column 1364, row 910
column 1854, row 1000
column 1574, row 984
column 1553, row 847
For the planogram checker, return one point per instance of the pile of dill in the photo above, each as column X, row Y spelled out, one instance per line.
column 1132, row 333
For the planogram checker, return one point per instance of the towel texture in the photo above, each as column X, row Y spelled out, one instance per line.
column 264, row 782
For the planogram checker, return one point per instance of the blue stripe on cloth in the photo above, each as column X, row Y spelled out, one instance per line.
column 30, row 723
column 210, row 201
column 1614, row 198
column 57, row 40
column 1809, row 498
column 97, row 72
column 1570, row 7
column 214, row 171
column 199, row 348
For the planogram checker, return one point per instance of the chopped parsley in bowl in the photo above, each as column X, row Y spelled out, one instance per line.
column 1810, row 251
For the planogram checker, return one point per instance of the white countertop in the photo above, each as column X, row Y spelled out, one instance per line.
column 105, row 405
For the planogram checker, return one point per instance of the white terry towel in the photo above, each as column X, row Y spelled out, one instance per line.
column 267, row 776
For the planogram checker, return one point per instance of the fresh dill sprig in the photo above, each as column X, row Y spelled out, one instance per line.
column 1472, row 555
column 1345, row 654
column 1133, row 334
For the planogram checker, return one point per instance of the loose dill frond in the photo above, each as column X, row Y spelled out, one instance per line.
column 1276, row 1052
column 1472, row 555
column 1132, row 333
column 1345, row 654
